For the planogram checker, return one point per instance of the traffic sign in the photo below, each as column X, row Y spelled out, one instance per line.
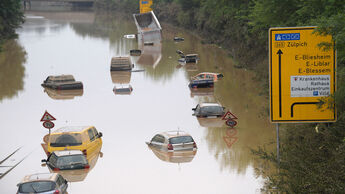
column 48, row 124
column 231, row 123
column 47, row 117
column 301, row 73
column 145, row 6
column 229, row 115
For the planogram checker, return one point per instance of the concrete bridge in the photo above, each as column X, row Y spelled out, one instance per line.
column 70, row 1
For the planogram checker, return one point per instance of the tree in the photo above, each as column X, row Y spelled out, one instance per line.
column 11, row 17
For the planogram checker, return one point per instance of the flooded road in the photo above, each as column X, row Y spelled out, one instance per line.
column 82, row 44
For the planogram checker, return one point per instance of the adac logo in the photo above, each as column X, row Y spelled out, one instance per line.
column 287, row 36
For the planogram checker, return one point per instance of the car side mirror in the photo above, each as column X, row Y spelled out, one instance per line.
column 193, row 109
column 66, row 182
column 100, row 134
column 44, row 160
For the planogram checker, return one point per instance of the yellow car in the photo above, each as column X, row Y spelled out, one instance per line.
column 86, row 139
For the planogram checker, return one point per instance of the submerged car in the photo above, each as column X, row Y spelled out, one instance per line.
column 71, row 164
column 209, row 110
column 172, row 141
column 84, row 138
column 123, row 89
column 62, row 82
column 47, row 183
column 203, row 83
column 67, row 160
column 121, row 64
column 178, row 39
column 135, row 52
column 207, row 75
column 189, row 58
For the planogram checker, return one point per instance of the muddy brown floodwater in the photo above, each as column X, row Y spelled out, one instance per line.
column 82, row 44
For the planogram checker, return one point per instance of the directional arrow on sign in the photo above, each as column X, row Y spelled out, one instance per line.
column 280, row 81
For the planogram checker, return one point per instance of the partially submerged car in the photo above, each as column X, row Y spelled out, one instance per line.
column 121, row 64
column 203, row 83
column 208, row 75
column 123, row 89
column 210, row 110
column 148, row 43
column 172, row 141
column 191, row 58
column 62, row 82
column 66, row 160
column 72, row 168
column 84, row 138
column 178, row 39
column 135, row 52
column 47, row 183
column 130, row 36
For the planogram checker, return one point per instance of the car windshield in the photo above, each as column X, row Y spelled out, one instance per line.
column 212, row 109
column 72, row 160
column 37, row 187
column 123, row 90
column 63, row 140
column 181, row 139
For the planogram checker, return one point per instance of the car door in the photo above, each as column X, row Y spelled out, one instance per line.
column 158, row 141
column 98, row 137
column 62, row 184
column 92, row 142
column 51, row 161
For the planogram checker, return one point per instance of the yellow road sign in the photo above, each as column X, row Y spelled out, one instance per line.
column 145, row 6
column 301, row 73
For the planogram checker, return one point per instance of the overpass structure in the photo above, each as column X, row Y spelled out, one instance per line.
column 43, row 3
column 62, row 1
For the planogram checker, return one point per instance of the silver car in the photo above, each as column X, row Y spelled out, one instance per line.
column 44, row 183
column 173, row 141
column 67, row 160
column 209, row 110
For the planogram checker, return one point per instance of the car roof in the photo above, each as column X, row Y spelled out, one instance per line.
column 39, row 177
column 121, row 60
column 171, row 134
column 68, row 152
column 71, row 129
column 209, row 104
column 61, row 77
column 208, row 73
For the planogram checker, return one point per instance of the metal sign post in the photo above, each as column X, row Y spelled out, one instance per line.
column 278, row 145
